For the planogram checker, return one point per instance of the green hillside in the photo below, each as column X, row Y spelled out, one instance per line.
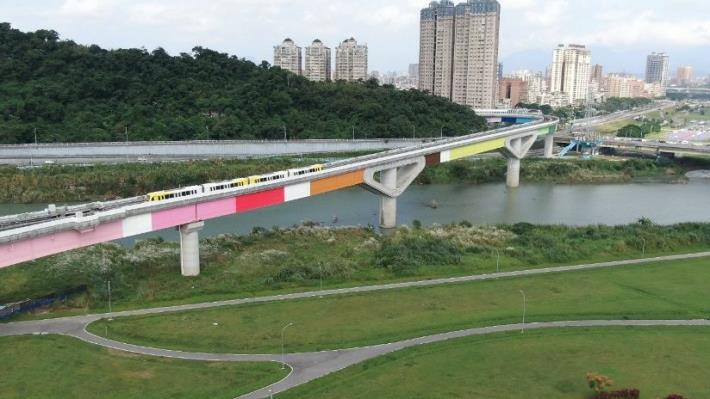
column 71, row 92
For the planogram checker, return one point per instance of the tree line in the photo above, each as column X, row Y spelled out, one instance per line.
column 60, row 91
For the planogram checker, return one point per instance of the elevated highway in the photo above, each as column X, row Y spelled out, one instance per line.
column 31, row 236
column 645, row 146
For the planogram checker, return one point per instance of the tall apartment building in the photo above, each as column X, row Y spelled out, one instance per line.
column 288, row 56
column 570, row 72
column 597, row 74
column 477, row 32
column 512, row 91
column 685, row 75
column 414, row 72
column 458, row 51
column 351, row 61
column 436, row 48
column 318, row 62
column 657, row 68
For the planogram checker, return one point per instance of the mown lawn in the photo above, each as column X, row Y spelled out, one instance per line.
column 671, row 290
column 60, row 367
column 549, row 364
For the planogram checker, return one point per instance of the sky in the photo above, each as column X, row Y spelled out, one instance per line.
column 620, row 33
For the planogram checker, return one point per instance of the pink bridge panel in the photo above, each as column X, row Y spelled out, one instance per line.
column 39, row 247
column 174, row 217
column 250, row 202
column 215, row 209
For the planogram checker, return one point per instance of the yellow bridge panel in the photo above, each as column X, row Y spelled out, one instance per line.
column 545, row 131
column 478, row 148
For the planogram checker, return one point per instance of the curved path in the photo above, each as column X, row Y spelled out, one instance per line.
column 75, row 324
column 309, row 366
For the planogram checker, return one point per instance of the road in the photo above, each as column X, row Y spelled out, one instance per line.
column 310, row 366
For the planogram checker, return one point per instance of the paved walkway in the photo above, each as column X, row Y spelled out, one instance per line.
column 309, row 366
column 76, row 323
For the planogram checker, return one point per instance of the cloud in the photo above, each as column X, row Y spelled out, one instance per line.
column 86, row 8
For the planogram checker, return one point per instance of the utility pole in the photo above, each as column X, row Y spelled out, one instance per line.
column 283, row 346
column 522, row 331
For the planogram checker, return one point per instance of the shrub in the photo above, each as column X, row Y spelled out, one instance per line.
column 622, row 394
column 404, row 254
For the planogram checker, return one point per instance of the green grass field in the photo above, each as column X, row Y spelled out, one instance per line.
column 269, row 262
column 60, row 367
column 549, row 364
column 674, row 290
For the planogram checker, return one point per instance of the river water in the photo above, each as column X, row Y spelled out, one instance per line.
column 479, row 204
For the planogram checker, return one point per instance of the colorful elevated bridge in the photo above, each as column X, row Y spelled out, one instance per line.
column 31, row 236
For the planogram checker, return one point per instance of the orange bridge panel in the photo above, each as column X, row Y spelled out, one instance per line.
column 337, row 182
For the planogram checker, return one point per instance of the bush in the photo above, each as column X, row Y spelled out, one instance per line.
column 622, row 394
column 404, row 254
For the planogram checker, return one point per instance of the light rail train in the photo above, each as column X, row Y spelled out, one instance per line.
column 231, row 184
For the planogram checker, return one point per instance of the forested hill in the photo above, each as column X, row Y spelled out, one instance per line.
column 70, row 92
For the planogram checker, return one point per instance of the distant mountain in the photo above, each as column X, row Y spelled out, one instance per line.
column 69, row 92
column 614, row 59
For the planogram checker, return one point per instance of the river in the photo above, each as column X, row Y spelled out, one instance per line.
column 478, row 204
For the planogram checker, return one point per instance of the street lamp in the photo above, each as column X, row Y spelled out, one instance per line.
column 497, row 260
column 285, row 136
column 283, row 346
column 643, row 246
column 524, row 309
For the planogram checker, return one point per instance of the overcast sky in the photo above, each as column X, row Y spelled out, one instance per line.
column 621, row 31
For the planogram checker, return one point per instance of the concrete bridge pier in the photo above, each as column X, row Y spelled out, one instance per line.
column 190, row 248
column 549, row 146
column 393, row 181
column 515, row 150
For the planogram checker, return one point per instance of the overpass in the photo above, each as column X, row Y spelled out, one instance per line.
column 157, row 151
column 653, row 147
column 509, row 116
column 58, row 229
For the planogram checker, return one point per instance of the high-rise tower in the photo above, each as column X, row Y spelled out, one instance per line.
column 570, row 72
column 657, row 68
column 288, row 56
column 318, row 62
column 458, row 51
column 351, row 61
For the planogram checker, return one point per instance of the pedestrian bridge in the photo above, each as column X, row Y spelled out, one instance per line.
column 58, row 229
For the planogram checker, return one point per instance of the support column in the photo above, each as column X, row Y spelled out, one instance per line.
column 549, row 146
column 513, row 175
column 394, row 179
column 515, row 149
column 190, row 248
column 388, row 205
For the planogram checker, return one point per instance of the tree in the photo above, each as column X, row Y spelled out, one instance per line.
column 598, row 382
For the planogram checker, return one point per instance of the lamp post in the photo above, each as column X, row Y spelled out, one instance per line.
column 643, row 246
column 524, row 309
column 285, row 135
column 353, row 133
column 441, row 132
column 497, row 260
column 283, row 346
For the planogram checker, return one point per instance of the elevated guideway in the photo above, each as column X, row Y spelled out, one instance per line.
column 31, row 236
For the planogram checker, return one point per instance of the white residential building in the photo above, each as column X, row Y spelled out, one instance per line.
column 318, row 62
column 288, row 56
column 570, row 72
column 351, row 61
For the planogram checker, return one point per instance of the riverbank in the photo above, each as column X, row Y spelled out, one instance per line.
column 60, row 184
column 286, row 260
